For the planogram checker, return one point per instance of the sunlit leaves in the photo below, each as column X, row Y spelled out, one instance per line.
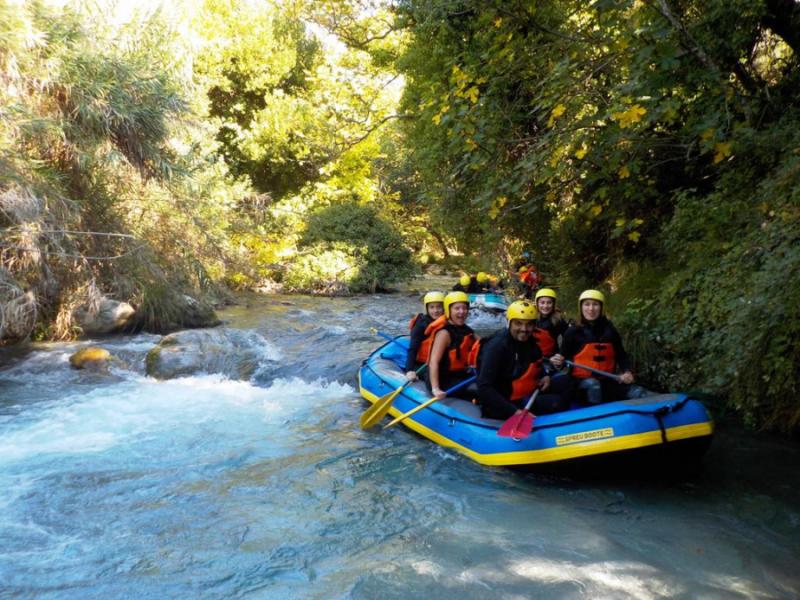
column 555, row 114
column 630, row 116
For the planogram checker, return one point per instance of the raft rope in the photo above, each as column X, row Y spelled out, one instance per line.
column 658, row 413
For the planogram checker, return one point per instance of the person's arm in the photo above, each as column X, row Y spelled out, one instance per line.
column 560, row 330
column 489, row 374
column 440, row 344
column 571, row 343
column 543, row 375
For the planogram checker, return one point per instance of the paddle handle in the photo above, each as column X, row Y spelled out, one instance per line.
column 530, row 402
column 385, row 336
column 593, row 370
column 427, row 403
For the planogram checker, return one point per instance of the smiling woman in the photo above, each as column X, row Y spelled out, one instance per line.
column 452, row 342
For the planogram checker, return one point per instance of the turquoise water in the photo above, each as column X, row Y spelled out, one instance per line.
column 202, row 487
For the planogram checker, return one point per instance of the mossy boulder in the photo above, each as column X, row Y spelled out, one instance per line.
column 91, row 357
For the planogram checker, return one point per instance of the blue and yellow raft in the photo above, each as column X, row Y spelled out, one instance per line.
column 671, row 425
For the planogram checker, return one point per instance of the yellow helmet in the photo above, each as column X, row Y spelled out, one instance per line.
column 522, row 269
column 432, row 297
column 521, row 309
column 592, row 295
column 453, row 298
column 546, row 293
column 482, row 277
column 465, row 279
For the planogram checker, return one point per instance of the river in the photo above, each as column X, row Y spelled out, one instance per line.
column 121, row 486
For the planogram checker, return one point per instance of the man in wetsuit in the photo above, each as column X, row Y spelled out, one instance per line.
column 510, row 369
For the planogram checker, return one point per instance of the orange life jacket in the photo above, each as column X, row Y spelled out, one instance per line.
column 522, row 387
column 413, row 322
column 529, row 276
column 457, row 353
column 546, row 342
column 596, row 355
column 472, row 357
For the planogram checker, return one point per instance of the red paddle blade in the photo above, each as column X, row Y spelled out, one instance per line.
column 518, row 427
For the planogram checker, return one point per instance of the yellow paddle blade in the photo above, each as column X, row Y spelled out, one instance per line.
column 375, row 413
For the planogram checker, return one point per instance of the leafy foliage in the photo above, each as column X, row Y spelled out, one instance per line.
column 620, row 133
column 353, row 245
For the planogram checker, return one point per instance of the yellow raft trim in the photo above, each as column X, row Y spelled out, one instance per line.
column 545, row 455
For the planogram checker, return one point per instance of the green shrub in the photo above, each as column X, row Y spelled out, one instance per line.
column 725, row 319
column 350, row 243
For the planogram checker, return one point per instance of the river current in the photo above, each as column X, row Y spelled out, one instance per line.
column 121, row 486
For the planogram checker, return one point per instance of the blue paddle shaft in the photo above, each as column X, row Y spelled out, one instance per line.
column 460, row 385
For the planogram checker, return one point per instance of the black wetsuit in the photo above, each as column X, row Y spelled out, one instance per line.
column 503, row 359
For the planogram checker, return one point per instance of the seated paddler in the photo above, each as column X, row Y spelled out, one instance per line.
column 419, row 347
column 510, row 369
column 448, row 363
column 596, row 343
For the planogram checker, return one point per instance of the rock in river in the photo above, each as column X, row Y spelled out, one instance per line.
column 233, row 352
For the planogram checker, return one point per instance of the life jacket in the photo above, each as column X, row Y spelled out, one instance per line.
column 413, row 322
column 530, row 276
column 458, row 351
column 472, row 357
column 522, row 387
column 598, row 355
column 546, row 342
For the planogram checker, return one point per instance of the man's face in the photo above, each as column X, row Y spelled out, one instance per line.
column 520, row 329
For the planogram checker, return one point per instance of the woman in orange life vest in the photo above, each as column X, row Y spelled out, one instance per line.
column 510, row 369
column 452, row 341
column 595, row 342
column 433, row 303
column 548, row 328
column 549, row 325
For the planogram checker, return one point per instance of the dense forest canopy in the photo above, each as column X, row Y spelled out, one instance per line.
column 649, row 147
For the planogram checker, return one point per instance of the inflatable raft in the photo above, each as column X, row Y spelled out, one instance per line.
column 675, row 426
column 490, row 302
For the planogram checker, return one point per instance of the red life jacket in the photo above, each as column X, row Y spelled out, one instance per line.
column 530, row 276
column 522, row 387
column 546, row 342
column 598, row 355
column 457, row 352
column 413, row 322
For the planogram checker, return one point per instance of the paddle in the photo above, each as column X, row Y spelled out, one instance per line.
column 593, row 370
column 375, row 413
column 519, row 426
column 427, row 403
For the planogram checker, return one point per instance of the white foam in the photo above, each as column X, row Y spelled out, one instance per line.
column 108, row 416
